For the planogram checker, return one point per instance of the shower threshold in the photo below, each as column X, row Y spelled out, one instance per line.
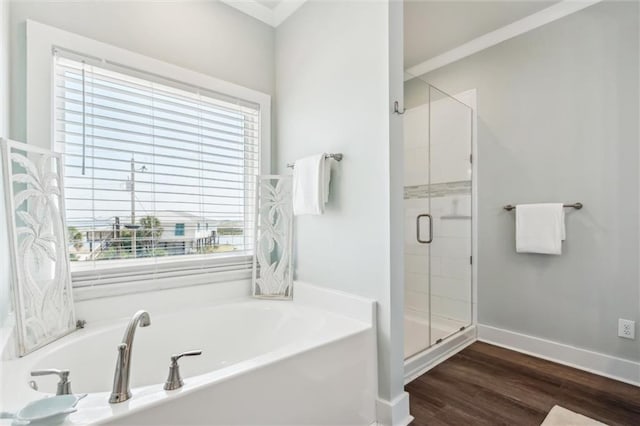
column 423, row 361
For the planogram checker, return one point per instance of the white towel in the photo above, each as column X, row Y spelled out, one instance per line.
column 311, row 177
column 540, row 228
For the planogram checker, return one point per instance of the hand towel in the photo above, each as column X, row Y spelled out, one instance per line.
column 540, row 228
column 311, row 176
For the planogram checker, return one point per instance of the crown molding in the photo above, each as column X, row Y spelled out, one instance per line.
column 521, row 26
column 272, row 17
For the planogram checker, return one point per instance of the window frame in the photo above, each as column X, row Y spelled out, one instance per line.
column 42, row 40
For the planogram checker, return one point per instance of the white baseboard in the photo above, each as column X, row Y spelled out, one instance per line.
column 615, row 368
column 393, row 413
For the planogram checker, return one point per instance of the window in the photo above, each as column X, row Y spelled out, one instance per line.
column 146, row 155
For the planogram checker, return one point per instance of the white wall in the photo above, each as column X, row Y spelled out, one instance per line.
column 4, row 67
column 208, row 37
column 332, row 93
column 333, row 89
column 558, row 121
column 5, row 273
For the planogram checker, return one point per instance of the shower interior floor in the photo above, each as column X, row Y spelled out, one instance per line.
column 416, row 332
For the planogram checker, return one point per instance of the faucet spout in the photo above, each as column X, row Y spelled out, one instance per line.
column 121, row 390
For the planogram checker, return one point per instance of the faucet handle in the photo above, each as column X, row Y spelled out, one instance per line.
column 64, row 385
column 64, row 374
column 176, row 357
column 174, row 381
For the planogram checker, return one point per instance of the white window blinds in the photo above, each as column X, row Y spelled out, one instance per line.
column 156, row 172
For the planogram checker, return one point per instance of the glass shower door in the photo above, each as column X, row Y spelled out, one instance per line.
column 437, row 203
column 417, row 218
column 450, row 144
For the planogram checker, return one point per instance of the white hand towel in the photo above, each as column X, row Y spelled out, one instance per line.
column 540, row 228
column 311, row 176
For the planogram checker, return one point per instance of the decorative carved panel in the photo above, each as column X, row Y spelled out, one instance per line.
column 272, row 263
column 41, row 280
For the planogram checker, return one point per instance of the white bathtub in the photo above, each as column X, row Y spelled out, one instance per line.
column 311, row 361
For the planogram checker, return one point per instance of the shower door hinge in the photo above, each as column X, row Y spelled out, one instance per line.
column 470, row 260
column 471, row 158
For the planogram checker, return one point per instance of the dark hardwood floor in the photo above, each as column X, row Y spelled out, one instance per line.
column 488, row 385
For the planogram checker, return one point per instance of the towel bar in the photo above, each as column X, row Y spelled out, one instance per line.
column 576, row 206
column 337, row 157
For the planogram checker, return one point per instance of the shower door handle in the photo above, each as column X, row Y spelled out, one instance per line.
column 421, row 241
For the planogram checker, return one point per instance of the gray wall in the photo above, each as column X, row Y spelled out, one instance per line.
column 558, row 121
column 204, row 36
column 332, row 63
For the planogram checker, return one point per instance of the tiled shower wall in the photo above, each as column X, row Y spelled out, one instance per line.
column 445, row 164
column 450, row 257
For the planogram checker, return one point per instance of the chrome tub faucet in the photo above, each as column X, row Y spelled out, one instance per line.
column 121, row 390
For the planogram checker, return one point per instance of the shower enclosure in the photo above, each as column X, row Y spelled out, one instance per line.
column 438, row 133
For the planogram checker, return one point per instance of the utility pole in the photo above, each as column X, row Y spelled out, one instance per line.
column 132, row 188
column 134, row 249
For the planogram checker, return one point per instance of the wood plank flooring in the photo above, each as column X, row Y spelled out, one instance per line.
column 488, row 385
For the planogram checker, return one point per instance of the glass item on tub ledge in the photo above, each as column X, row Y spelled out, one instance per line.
column 41, row 281
column 273, row 233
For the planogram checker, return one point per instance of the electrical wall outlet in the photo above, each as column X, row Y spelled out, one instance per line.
column 626, row 328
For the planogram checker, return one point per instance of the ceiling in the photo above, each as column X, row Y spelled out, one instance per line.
column 433, row 27
column 271, row 12
column 271, row 4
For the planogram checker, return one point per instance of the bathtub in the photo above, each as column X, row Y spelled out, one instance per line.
column 310, row 361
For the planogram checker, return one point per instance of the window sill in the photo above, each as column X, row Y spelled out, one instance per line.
column 120, row 278
column 111, row 290
column 107, row 267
